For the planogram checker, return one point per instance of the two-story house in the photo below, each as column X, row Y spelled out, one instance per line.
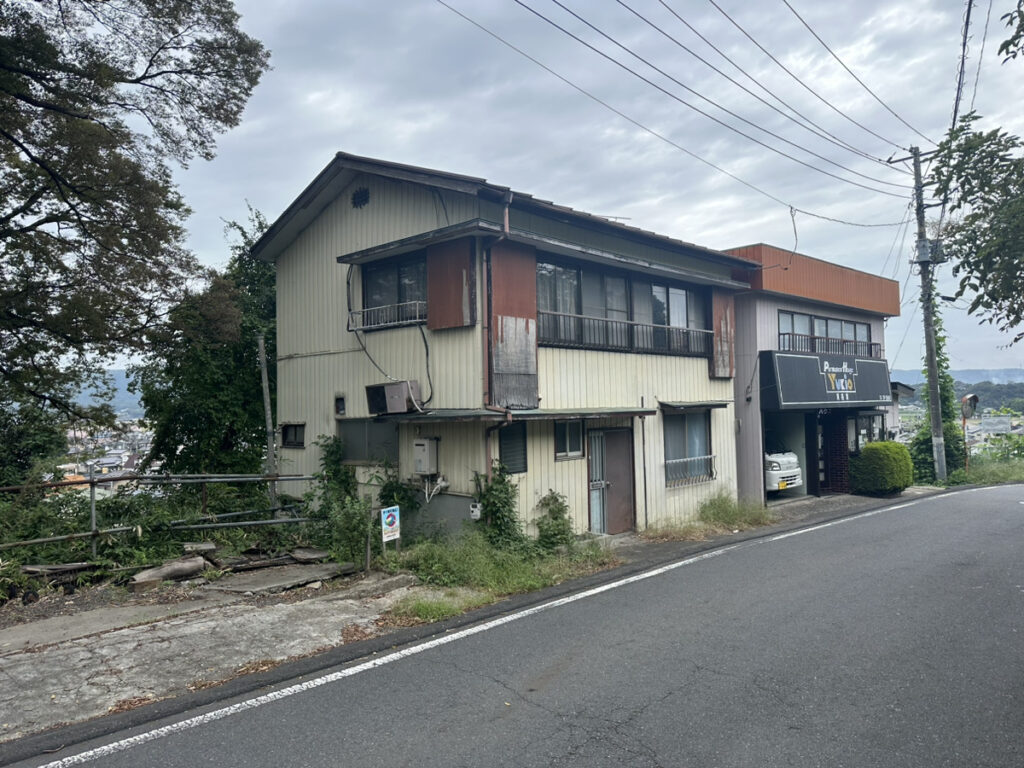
column 811, row 375
column 440, row 323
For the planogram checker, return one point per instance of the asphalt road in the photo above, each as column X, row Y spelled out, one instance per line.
column 889, row 639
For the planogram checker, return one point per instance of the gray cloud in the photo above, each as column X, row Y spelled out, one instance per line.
column 408, row 80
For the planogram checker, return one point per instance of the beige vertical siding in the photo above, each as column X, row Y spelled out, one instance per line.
column 572, row 378
column 318, row 358
column 460, row 451
column 577, row 378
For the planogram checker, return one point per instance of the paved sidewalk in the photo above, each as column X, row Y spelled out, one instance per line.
column 74, row 668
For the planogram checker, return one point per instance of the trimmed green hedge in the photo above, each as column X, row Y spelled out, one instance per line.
column 881, row 469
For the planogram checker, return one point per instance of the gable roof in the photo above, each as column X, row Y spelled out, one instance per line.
column 338, row 174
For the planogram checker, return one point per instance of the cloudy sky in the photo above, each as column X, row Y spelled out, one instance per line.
column 411, row 81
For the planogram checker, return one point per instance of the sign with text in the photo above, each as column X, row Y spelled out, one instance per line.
column 792, row 381
column 390, row 523
column 995, row 425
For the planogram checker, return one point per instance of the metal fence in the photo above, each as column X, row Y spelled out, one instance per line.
column 283, row 515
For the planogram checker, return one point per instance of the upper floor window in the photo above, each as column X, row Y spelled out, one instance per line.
column 394, row 293
column 799, row 332
column 590, row 308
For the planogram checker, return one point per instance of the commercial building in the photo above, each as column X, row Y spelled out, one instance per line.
column 811, row 375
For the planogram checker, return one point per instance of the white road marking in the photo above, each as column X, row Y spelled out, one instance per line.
column 267, row 698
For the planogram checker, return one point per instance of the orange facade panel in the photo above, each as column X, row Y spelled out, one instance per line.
column 793, row 274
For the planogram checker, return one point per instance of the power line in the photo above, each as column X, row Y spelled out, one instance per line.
column 691, row 90
column 854, row 76
column 962, row 67
column 961, row 70
column 981, row 55
column 699, row 111
column 807, row 124
column 808, row 88
column 652, row 132
column 892, row 248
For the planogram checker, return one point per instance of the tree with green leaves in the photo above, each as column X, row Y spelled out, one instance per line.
column 29, row 434
column 200, row 380
column 981, row 174
column 1012, row 46
column 921, row 445
column 97, row 97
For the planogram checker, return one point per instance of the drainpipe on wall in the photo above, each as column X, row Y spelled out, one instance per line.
column 488, row 402
column 643, row 448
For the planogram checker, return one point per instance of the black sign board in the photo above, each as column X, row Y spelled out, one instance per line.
column 795, row 381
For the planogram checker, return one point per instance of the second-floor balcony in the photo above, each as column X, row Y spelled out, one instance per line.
column 558, row 329
column 798, row 342
column 388, row 316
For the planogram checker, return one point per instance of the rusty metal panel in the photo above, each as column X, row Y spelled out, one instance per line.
column 794, row 274
column 451, row 285
column 513, row 326
column 722, row 364
column 514, row 362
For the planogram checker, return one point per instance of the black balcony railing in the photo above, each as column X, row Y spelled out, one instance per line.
column 799, row 342
column 557, row 329
column 409, row 313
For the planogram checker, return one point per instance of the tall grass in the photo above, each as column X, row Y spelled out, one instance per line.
column 470, row 560
column 717, row 515
column 984, row 470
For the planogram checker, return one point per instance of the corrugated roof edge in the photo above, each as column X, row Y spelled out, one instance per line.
column 264, row 248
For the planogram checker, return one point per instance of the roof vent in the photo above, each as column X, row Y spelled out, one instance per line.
column 360, row 197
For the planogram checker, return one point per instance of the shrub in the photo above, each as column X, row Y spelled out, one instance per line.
column 881, row 468
column 498, row 498
column 921, row 451
column 554, row 528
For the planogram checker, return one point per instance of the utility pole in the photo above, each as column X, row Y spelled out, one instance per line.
column 924, row 261
column 270, row 465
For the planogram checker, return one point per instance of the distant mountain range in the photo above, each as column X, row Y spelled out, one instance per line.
column 966, row 375
column 125, row 404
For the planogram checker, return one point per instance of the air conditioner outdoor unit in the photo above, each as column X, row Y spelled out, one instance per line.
column 393, row 397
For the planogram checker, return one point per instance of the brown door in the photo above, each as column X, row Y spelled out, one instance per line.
column 612, row 471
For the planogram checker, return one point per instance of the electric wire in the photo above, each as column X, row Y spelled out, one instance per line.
column 876, row 97
column 981, row 55
column 699, row 111
column 961, row 71
column 962, row 66
column 696, row 93
column 910, row 324
column 899, row 231
column 756, row 82
column 807, row 124
column 903, row 248
column 806, row 87
column 654, row 133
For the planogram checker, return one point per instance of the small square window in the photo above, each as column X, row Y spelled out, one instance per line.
column 568, row 439
column 293, row 435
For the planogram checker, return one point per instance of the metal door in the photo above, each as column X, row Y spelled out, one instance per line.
column 611, row 481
